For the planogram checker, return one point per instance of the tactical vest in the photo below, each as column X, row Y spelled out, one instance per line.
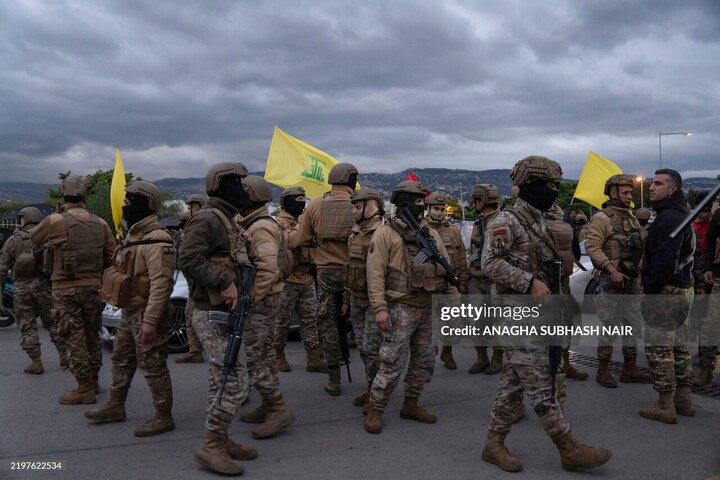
column 563, row 234
column 26, row 265
column 356, row 267
column 228, row 259
column 625, row 243
column 285, row 256
column 428, row 277
column 336, row 220
column 84, row 249
column 300, row 255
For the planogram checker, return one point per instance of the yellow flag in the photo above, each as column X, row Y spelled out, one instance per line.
column 294, row 163
column 117, row 190
column 595, row 173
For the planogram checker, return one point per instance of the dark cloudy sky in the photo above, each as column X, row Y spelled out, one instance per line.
column 386, row 85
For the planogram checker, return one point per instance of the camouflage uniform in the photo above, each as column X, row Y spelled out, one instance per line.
column 31, row 295
column 82, row 247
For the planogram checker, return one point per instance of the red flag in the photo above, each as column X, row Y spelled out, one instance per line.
column 411, row 177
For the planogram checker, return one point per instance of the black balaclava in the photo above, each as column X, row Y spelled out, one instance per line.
column 232, row 191
column 136, row 210
column 293, row 207
column 352, row 181
column 407, row 200
column 538, row 195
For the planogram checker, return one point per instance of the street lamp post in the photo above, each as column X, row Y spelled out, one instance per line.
column 661, row 134
column 642, row 198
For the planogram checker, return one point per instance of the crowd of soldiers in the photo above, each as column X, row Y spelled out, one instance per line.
column 342, row 255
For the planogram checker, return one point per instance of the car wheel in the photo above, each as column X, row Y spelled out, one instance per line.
column 177, row 341
column 7, row 318
column 590, row 291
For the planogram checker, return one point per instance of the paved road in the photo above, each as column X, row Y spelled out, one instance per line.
column 328, row 440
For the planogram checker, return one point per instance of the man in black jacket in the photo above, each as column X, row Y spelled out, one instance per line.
column 667, row 282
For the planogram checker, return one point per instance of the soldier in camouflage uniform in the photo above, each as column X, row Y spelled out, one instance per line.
column 667, row 282
column 213, row 249
column 515, row 256
column 266, row 251
column 614, row 243
column 643, row 216
column 368, row 211
column 31, row 290
column 437, row 220
column 81, row 246
column 486, row 202
column 299, row 294
column 400, row 294
column 147, row 257
column 710, row 328
column 194, row 202
column 327, row 224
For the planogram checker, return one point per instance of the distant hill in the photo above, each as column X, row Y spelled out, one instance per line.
column 449, row 181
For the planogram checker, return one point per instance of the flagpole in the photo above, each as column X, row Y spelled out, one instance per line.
column 462, row 207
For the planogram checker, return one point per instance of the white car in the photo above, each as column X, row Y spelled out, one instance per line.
column 584, row 283
column 177, row 341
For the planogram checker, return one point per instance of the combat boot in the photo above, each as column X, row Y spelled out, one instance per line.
column 496, row 362
column 314, row 362
column 212, row 454
column 630, row 372
column 374, row 422
column 570, row 371
column 496, row 453
column 190, row 357
column 281, row 362
column 237, row 451
column 95, row 379
column 603, row 376
column 256, row 416
column 412, row 411
column 83, row 395
column 482, row 361
column 361, row 400
column 278, row 417
column 333, row 386
column 162, row 422
column 683, row 402
column 705, row 375
column 112, row 411
column 35, row 368
column 576, row 456
column 64, row 363
column 662, row 411
column 447, row 358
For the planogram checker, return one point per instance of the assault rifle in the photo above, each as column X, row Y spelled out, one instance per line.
column 236, row 321
column 344, row 327
column 555, row 351
column 428, row 248
column 699, row 208
column 479, row 243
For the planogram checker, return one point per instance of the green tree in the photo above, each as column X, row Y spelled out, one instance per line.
column 9, row 206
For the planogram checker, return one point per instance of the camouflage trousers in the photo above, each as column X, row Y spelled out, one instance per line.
column 709, row 331
column 666, row 342
column 214, row 339
column 259, row 342
column 330, row 280
column 194, row 345
column 79, row 315
column 615, row 309
column 535, row 380
column 409, row 337
column 31, row 302
column 367, row 335
column 301, row 299
column 129, row 355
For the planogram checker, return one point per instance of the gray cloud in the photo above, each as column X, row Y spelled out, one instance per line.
column 388, row 85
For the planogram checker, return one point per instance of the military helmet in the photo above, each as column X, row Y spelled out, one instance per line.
column 642, row 214
column 485, row 192
column 366, row 194
column 617, row 180
column 221, row 170
column 413, row 188
column 291, row 192
column 535, row 167
column 581, row 217
column 436, row 198
column 74, row 186
column 258, row 189
column 31, row 215
column 340, row 173
column 147, row 190
column 196, row 198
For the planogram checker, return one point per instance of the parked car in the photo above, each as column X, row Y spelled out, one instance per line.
column 583, row 283
column 7, row 316
column 177, row 341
